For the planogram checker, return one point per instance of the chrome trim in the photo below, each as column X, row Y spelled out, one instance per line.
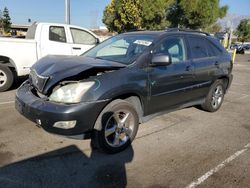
column 184, row 88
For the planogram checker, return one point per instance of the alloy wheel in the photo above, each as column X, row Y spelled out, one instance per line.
column 3, row 78
column 217, row 97
column 119, row 128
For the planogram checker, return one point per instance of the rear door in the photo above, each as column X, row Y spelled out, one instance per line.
column 54, row 41
column 205, row 58
column 82, row 40
column 169, row 84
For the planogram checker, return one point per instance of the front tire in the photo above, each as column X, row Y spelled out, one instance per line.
column 119, row 123
column 6, row 78
column 215, row 97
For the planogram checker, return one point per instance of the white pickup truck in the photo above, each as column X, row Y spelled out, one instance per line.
column 18, row 55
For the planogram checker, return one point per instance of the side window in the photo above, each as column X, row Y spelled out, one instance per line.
column 213, row 50
column 198, row 47
column 57, row 34
column 174, row 47
column 82, row 37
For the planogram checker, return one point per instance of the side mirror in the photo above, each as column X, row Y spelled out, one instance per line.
column 161, row 60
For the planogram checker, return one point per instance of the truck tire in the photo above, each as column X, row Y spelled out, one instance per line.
column 6, row 78
column 119, row 122
column 215, row 97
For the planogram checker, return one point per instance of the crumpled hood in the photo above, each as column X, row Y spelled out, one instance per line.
column 58, row 68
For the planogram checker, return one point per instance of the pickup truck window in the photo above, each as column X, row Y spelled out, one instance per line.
column 82, row 37
column 57, row 34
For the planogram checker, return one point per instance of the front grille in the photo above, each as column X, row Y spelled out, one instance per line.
column 38, row 81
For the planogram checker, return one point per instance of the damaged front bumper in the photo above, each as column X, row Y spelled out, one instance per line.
column 76, row 120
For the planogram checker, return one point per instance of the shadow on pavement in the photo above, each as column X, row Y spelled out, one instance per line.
column 68, row 167
column 18, row 81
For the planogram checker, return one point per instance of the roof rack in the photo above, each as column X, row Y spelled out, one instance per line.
column 133, row 30
column 186, row 30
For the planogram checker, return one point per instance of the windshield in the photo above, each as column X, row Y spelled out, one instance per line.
column 121, row 48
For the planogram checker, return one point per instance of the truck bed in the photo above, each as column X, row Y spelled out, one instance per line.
column 21, row 51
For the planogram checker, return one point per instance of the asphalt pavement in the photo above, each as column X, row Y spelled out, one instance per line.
column 186, row 148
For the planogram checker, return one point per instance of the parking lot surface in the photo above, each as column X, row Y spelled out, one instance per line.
column 186, row 148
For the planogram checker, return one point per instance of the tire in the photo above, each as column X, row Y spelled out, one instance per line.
column 6, row 78
column 119, row 123
column 215, row 97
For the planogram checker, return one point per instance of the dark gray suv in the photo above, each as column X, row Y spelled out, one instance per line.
column 108, row 91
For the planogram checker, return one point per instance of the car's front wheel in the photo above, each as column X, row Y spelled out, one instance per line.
column 119, row 123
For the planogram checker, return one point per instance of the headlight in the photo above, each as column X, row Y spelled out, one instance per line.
column 71, row 93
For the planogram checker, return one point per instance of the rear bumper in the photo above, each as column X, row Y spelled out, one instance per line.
column 46, row 113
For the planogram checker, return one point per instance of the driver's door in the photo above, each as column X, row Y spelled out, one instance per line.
column 169, row 85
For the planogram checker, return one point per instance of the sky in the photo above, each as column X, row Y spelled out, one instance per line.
column 239, row 7
column 85, row 13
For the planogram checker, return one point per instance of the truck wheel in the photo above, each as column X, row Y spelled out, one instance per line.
column 119, row 123
column 215, row 97
column 6, row 78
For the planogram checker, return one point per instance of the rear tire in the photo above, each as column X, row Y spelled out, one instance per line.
column 6, row 78
column 215, row 97
column 119, row 123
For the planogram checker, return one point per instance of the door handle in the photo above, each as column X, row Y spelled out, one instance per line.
column 217, row 64
column 76, row 48
column 189, row 68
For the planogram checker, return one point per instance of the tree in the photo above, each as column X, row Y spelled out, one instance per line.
column 195, row 14
column 243, row 30
column 214, row 28
column 6, row 20
column 1, row 21
column 125, row 15
column 154, row 14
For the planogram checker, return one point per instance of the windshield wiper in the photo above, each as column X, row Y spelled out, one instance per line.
column 124, row 64
column 99, row 58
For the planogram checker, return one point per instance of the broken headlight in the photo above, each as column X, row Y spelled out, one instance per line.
column 71, row 93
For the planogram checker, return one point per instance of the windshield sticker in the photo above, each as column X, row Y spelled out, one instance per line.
column 143, row 42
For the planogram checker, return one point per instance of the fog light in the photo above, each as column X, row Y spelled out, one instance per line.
column 38, row 121
column 65, row 124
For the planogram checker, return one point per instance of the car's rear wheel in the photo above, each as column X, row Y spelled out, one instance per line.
column 119, row 123
column 6, row 78
column 215, row 97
